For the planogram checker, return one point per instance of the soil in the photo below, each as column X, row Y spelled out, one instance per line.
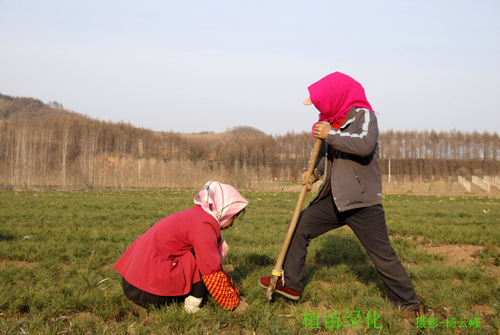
column 17, row 264
column 457, row 253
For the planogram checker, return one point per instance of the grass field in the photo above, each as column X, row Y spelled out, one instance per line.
column 57, row 250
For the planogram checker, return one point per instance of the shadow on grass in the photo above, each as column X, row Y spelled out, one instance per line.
column 251, row 262
column 5, row 237
column 259, row 260
column 329, row 252
column 333, row 251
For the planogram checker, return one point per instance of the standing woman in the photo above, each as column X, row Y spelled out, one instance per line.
column 181, row 256
column 351, row 191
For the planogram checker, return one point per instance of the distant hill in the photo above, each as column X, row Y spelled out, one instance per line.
column 14, row 108
column 235, row 132
column 20, row 107
column 247, row 131
column 45, row 145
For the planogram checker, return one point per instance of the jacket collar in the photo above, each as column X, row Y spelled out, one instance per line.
column 351, row 116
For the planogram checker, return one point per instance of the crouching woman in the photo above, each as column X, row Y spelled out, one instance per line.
column 180, row 257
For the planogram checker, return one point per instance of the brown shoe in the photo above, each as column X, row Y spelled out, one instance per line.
column 280, row 288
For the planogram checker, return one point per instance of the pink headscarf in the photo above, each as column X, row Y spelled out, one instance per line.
column 222, row 202
column 335, row 95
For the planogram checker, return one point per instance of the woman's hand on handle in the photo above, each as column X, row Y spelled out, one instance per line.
column 321, row 130
column 312, row 179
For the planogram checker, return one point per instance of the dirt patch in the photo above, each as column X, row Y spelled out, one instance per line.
column 457, row 253
column 17, row 264
column 84, row 317
column 493, row 270
column 21, row 283
column 484, row 310
column 325, row 285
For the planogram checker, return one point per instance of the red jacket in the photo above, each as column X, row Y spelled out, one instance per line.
column 159, row 262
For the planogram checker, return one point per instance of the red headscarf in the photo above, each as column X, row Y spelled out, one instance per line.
column 335, row 95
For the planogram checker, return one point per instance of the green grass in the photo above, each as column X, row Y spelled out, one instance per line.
column 57, row 250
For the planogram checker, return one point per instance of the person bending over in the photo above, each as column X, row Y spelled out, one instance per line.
column 180, row 257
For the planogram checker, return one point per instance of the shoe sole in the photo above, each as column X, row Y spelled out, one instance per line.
column 289, row 296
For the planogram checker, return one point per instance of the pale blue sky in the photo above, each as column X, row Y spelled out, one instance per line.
column 192, row 66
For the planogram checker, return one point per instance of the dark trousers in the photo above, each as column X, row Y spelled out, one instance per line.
column 145, row 299
column 370, row 228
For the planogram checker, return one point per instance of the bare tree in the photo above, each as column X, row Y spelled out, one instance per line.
column 88, row 156
column 63, row 152
column 45, row 146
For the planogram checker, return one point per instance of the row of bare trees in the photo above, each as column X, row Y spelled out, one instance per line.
column 443, row 145
column 66, row 150
column 69, row 151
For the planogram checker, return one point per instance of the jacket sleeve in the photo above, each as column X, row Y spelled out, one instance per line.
column 222, row 288
column 205, row 243
column 361, row 141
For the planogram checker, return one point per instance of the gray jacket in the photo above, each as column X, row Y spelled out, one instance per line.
column 353, row 177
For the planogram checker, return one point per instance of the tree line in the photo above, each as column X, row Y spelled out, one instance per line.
column 47, row 146
column 442, row 145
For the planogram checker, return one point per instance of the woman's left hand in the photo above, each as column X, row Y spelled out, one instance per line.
column 321, row 130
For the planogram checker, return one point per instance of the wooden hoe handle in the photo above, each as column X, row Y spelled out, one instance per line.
column 291, row 229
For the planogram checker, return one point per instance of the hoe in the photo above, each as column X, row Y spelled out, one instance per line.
column 278, row 271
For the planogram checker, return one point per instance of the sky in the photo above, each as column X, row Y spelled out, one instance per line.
column 194, row 66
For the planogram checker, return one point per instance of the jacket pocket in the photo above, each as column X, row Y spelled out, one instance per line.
column 359, row 180
column 174, row 280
